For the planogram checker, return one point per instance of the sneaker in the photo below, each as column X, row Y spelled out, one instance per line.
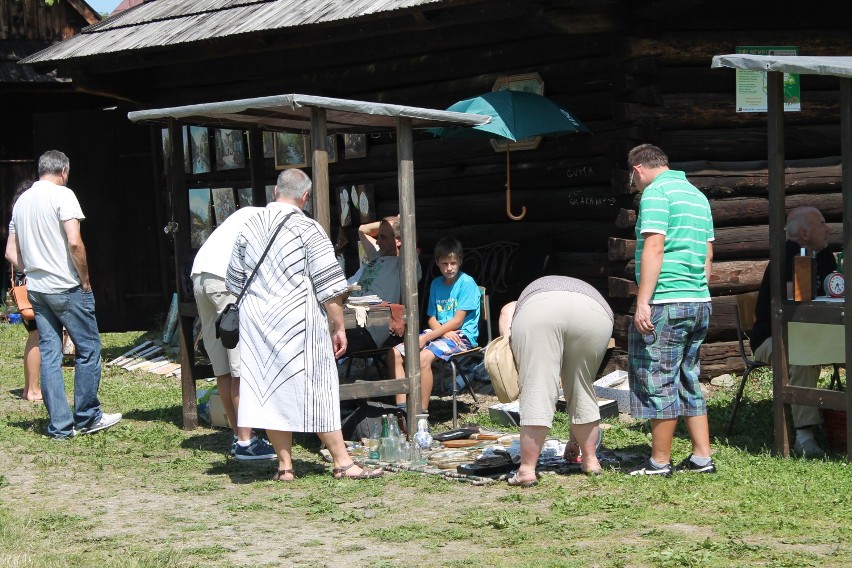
column 106, row 421
column 258, row 449
column 692, row 467
column 650, row 469
column 809, row 449
column 233, row 445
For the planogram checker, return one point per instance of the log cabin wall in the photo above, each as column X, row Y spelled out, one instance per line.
column 629, row 70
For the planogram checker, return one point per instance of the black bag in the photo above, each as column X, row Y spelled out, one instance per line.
column 367, row 417
column 228, row 322
column 228, row 326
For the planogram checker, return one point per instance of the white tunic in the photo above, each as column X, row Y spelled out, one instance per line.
column 289, row 377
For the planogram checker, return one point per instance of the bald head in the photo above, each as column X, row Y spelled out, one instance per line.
column 292, row 186
column 807, row 227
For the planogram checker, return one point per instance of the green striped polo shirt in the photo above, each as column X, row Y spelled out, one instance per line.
column 673, row 207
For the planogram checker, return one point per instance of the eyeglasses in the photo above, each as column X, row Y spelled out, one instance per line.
column 632, row 173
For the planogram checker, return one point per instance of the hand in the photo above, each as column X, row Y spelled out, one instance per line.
column 338, row 340
column 454, row 337
column 642, row 319
column 86, row 289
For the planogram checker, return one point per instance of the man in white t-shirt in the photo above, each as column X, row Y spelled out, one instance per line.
column 208, row 282
column 380, row 276
column 45, row 242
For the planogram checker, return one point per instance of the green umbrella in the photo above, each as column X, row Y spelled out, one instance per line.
column 514, row 115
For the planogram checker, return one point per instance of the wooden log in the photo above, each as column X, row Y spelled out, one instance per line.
column 751, row 241
column 578, row 236
column 720, row 357
column 622, row 287
column 727, row 277
column 626, row 218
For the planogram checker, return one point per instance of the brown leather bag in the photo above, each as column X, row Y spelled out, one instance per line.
column 19, row 295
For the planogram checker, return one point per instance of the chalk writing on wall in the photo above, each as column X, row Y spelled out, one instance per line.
column 580, row 171
column 577, row 198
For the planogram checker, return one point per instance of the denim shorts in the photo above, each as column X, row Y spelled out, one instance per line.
column 664, row 365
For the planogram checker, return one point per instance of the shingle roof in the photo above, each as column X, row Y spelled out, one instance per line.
column 160, row 23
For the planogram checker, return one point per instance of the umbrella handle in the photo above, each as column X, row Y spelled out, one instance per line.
column 511, row 215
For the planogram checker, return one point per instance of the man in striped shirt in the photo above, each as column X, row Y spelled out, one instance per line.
column 674, row 234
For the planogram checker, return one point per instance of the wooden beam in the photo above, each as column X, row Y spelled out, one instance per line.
column 846, row 145
column 319, row 169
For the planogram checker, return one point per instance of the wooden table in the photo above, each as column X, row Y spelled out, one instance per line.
column 376, row 316
column 816, row 343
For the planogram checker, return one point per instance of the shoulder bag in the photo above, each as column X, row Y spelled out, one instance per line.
column 500, row 364
column 22, row 301
column 228, row 322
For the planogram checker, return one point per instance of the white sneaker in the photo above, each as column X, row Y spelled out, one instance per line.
column 808, row 449
column 106, row 421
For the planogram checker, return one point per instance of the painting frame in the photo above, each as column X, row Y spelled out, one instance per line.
column 354, row 145
column 200, row 216
column 224, row 204
column 229, row 145
column 200, row 149
column 527, row 82
column 291, row 150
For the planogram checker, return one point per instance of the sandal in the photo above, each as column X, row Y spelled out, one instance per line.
column 279, row 475
column 515, row 482
column 340, row 472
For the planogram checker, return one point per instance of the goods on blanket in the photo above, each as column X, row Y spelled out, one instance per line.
column 460, row 443
column 449, row 459
column 614, row 387
column 423, row 438
column 456, row 434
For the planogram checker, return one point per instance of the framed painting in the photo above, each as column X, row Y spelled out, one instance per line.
column 268, row 145
column 344, row 208
column 223, row 203
column 229, row 149
column 270, row 195
column 245, row 196
column 167, row 150
column 363, row 201
column 290, row 150
column 199, row 147
column 187, row 155
column 355, row 146
column 200, row 222
column 527, row 82
column 331, row 148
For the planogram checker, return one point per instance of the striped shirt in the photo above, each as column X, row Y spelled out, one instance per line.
column 673, row 207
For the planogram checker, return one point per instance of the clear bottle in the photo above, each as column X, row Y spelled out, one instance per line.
column 423, row 438
column 11, row 308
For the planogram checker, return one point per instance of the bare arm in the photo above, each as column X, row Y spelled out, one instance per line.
column 13, row 251
column 334, row 307
column 367, row 233
column 448, row 329
column 708, row 263
column 78, row 252
column 652, row 263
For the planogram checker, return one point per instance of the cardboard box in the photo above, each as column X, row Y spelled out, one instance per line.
column 218, row 418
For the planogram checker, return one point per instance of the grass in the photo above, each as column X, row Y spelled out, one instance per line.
column 147, row 493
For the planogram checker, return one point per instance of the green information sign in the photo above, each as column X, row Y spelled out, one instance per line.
column 751, row 85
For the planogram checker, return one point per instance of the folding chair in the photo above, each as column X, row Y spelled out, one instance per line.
column 744, row 315
column 476, row 352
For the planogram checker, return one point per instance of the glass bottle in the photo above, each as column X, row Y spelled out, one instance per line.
column 423, row 438
column 10, row 303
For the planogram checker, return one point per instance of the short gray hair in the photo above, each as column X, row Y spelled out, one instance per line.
column 799, row 219
column 647, row 155
column 53, row 162
column 293, row 183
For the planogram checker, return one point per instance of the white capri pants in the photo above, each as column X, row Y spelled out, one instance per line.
column 559, row 338
column 211, row 297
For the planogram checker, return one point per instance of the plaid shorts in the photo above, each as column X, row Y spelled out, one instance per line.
column 664, row 365
column 442, row 347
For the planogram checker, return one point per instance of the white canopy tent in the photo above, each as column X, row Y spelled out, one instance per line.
column 319, row 116
column 783, row 310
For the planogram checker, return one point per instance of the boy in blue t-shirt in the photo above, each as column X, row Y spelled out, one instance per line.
column 453, row 310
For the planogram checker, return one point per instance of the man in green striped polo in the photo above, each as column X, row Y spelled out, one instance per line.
column 674, row 250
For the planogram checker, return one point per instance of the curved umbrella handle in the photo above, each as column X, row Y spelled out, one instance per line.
column 511, row 215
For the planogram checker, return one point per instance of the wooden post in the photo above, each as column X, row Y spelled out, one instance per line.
column 256, row 165
column 777, row 247
column 846, row 157
column 319, row 169
column 405, row 174
column 180, row 234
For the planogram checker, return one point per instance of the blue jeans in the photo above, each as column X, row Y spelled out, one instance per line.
column 75, row 310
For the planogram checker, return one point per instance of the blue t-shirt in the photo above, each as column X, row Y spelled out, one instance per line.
column 462, row 295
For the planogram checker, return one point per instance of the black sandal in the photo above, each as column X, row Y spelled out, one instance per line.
column 340, row 472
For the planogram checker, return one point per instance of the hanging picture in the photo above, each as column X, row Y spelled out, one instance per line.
column 187, row 155
column 199, row 149
column 361, row 200
column 200, row 223
column 343, row 206
column 270, row 195
column 223, row 203
column 331, row 148
column 167, row 150
column 268, row 145
column 355, row 146
column 229, row 149
column 245, row 196
column 290, row 150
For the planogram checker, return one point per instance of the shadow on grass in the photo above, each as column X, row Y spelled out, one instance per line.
column 242, row 472
column 170, row 414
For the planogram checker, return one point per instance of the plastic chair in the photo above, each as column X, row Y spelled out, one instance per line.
column 744, row 315
column 476, row 352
